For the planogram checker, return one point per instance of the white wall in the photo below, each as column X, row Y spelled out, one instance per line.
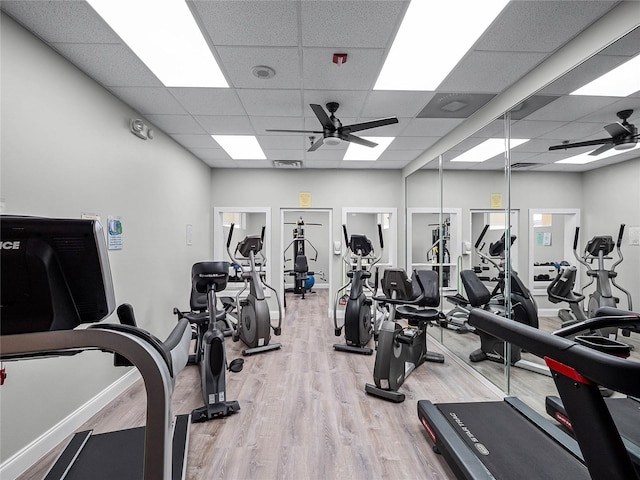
column 611, row 196
column 329, row 189
column 66, row 149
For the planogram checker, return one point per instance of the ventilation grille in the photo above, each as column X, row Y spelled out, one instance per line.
column 287, row 164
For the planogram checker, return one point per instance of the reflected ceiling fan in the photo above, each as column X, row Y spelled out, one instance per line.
column 333, row 131
column 623, row 136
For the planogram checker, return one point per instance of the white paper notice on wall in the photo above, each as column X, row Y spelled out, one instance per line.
column 634, row 236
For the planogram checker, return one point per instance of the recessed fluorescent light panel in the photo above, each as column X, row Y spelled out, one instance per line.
column 586, row 158
column 432, row 39
column 622, row 81
column 165, row 36
column 360, row 152
column 487, row 149
column 241, row 147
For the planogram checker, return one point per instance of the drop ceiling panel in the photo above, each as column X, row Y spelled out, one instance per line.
column 532, row 129
column 149, row 100
column 430, row 127
column 608, row 113
column 363, row 24
column 181, row 124
column 69, row 22
column 265, row 23
column 282, row 142
column 574, row 130
column 489, row 71
column 225, row 124
column 261, row 124
column 275, row 154
column 196, row 141
column 239, row 62
column 412, row 143
column 280, row 103
column 570, row 108
column 535, row 26
column 390, row 103
column 351, row 102
column 399, row 155
column 112, row 65
column 358, row 73
column 211, row 154
column 209, row 101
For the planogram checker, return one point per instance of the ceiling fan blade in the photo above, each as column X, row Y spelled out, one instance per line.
column 293, row 131
column 360, row 141
column 316, row 145
column 617, row 129
column 356, row 127
column 322, row 116
column 601, row 149
column 601, row 141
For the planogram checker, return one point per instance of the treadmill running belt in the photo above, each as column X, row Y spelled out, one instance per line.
column 626, row 415
column 497, row 434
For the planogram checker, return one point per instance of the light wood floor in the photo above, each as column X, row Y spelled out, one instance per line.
column 304, row 413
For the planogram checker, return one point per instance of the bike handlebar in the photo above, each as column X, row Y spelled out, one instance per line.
column 620, row 234
column 230, row 235
column 380, row 236
column 484, row 231
column 575, row 238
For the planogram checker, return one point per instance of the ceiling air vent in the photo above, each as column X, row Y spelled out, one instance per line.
column 287, row 164
column 524, row 165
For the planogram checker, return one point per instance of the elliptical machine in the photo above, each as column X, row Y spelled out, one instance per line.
column 402, row 349
column 210, row 278
column 597, row 249
column 252, row 318
column 523, row 306
column 360, row 321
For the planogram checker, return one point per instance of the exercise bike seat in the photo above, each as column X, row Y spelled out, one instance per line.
column 427, row 296
column 477, row 292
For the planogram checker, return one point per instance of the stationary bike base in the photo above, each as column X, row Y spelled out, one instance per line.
column 391, row 395
column 218, row 410
column 353, row 349
column 265, row 348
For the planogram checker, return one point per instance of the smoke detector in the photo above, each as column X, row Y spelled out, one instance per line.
column 263, row 72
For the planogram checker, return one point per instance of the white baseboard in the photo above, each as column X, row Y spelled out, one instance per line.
column 19, row 462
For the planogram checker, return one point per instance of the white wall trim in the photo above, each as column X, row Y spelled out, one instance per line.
column 19, row 462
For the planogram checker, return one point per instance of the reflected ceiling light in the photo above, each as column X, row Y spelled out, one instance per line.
column 357, row 152
column 487, row 149
column 240, row 147
column 165, row 36
column 432, row 39
column 622, row 81
column 584, row 158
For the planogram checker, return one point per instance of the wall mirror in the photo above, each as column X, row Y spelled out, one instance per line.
column 365, row 221
column 551, row 235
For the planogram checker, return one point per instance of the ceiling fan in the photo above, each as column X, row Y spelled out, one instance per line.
column 623, row 136
column 333, row 131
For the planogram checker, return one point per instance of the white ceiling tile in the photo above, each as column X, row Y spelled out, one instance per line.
column 196, row 141
column 266, row 23
column 176, row 124
column 399, row 155
column 112, row 65
column 209, row 101
column 431, row 127
column 358, row 73
column 574, row 130
column 149, row 100
column 209, row 154
column 66, row 21
column 489, row 72
column 225, row 124
column 282, row 142
column 284, row 154
column 322, row 164
column 570, row 108
column 532, row 129
column 534, row 26
column 271, row 102
column 218, row 163
column 412, row 143
column 364, row 24
column 239, row 61
column 389, row 103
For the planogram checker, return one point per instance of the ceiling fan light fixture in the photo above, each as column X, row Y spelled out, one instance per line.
column 332, row 141
column 625, row 146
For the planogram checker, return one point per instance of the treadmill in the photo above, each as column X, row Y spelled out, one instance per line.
column 506, row 440
column 624, row 410
column 55, row 277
